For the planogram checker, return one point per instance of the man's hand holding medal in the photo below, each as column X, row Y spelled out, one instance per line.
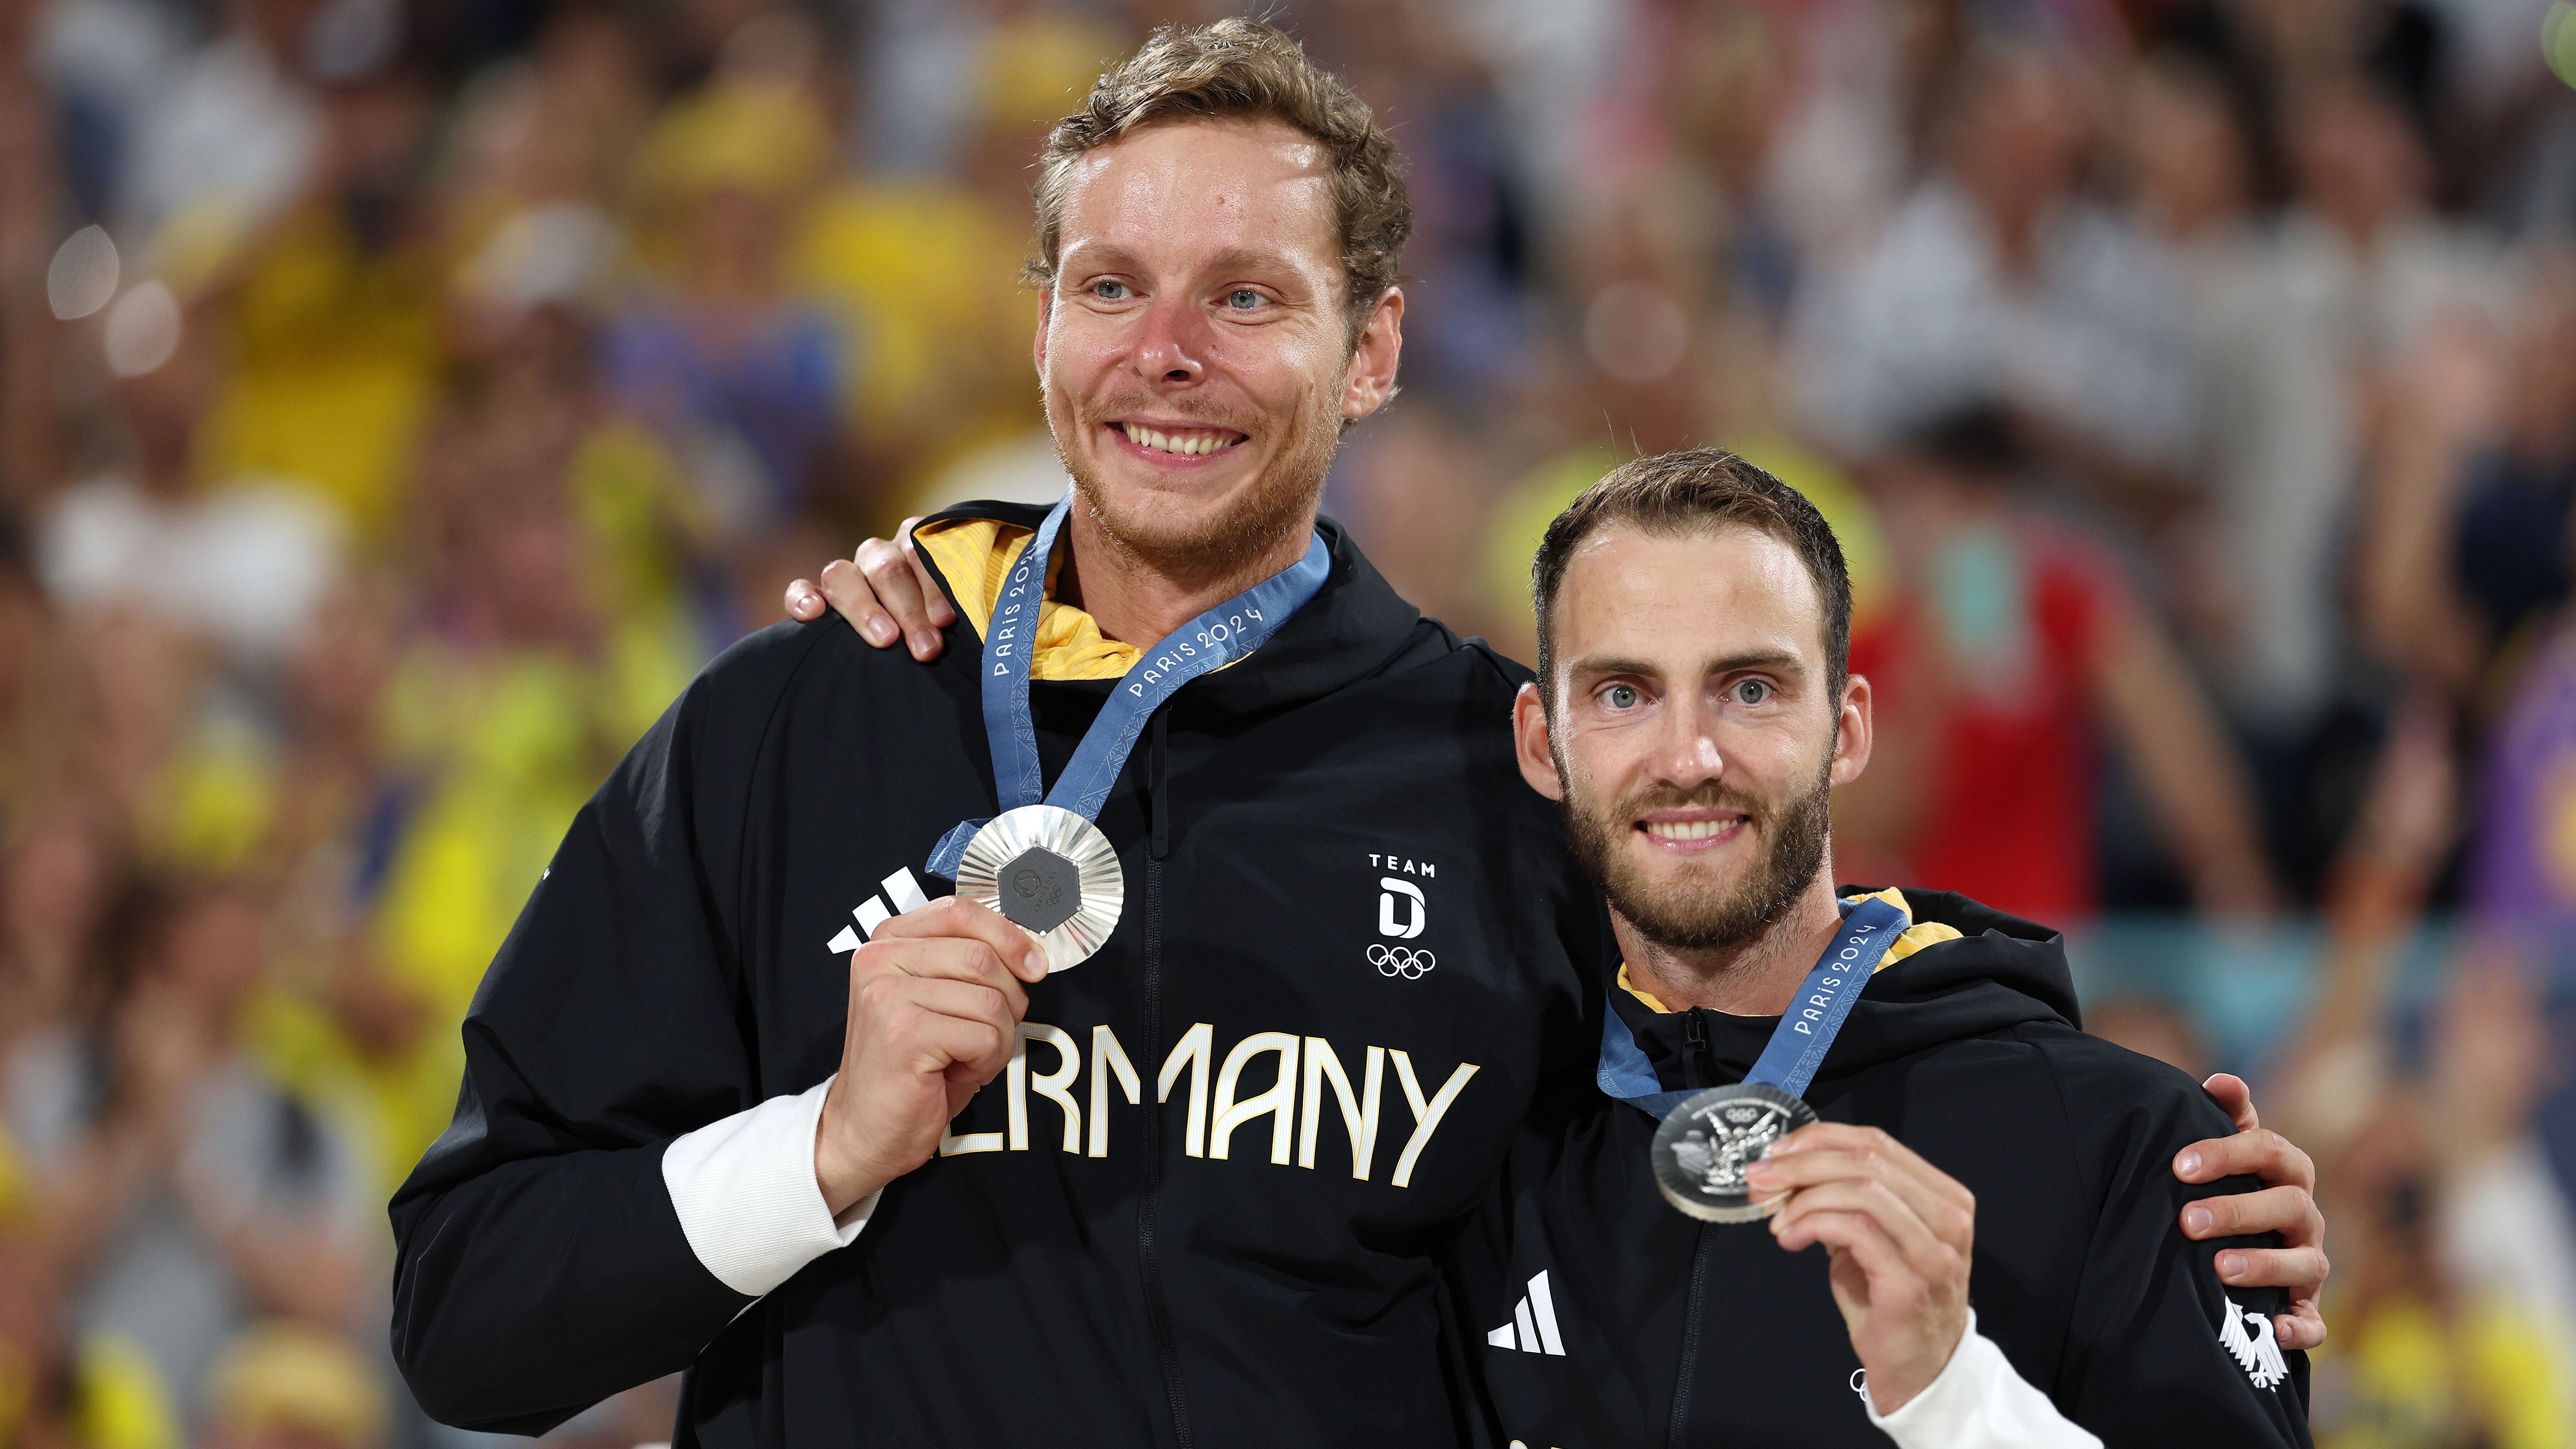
column 1899, row 1231
column 936, row 998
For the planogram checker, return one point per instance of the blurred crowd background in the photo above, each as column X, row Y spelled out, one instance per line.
column 400, row 399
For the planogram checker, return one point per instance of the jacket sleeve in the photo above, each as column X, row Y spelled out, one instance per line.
column 2159, row 1351
column 1979, row 1401
column 541, row 1265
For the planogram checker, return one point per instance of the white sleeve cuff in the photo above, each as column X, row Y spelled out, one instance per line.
column 745, row 1192
column 1979, row 1402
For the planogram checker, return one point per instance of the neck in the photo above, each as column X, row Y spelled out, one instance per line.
column 1140, row 600
column 1757, row 976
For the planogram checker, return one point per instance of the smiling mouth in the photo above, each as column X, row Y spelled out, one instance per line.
column 1181, row 442
column 1684, row 831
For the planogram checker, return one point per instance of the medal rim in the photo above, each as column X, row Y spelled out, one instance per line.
column 1103, row 879
column 1676, row 1122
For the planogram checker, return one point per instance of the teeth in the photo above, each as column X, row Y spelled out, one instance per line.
column 1689, row 829
column 1186, row 445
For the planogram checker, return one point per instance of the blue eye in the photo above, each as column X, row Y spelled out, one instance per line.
column 1109, row 291
column 1243, row 299
column 1751, row 691
column 1620, row 696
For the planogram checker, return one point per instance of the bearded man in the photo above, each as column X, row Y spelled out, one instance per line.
column 1692, row 712
column 1291, row 955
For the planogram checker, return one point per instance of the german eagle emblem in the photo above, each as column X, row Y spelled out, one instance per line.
column 2258, row 1352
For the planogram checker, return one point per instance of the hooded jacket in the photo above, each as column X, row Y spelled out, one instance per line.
column 1203, row 1207
column 1606, row 1319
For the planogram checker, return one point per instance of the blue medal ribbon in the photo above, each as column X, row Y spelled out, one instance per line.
column 1805, row 1033
column 1214, row 639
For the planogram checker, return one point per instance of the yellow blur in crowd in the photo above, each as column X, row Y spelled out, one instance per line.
column 2410, row 1373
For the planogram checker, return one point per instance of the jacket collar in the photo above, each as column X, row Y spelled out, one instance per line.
column 1354, row 627
column 1998, row 972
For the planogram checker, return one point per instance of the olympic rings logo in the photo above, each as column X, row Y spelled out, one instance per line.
column 1401, row 961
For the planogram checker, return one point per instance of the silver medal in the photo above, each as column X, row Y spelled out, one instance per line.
column 1704, row 1146
column 1050, row 872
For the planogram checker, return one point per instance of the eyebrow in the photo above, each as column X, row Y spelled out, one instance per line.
column 1250, row 259
column 1779, row 660
column 1103, row 256
column 1110, row 256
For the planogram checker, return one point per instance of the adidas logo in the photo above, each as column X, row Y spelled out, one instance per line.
column 1533, row 1325
column 901, row 889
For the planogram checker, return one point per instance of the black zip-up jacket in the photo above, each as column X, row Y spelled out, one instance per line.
column 1211, row 1270
column 1676, row 1332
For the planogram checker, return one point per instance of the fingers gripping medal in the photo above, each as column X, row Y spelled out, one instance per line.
column 1041, row 862
column 1708, row 1139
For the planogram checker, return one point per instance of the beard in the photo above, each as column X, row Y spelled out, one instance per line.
column 1697, row 915
column 1252, row 527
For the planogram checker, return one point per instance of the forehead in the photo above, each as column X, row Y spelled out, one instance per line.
column 1203, row 186
column 1688, row 596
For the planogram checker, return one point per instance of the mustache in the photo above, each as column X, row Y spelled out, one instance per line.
column 1713, row 796
column 1190, row 409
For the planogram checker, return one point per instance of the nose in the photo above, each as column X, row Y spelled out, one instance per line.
column 1171, row 345
column 1686, row 750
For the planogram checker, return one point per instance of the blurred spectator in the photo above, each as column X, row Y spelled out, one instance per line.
column 336, row 1024
column 225, row 135
column 743, row 383
column 329, row 308
column 246, row 559
column 2468, row 561
column 1467, row 316
column 2477, row 551
column 54, row 884
column 2454, row 1296
column 32, row 201
column 2010, row 661
column 2363, row 224
column 557, row 127
column 1999, row 279
column 1401, row 489
column 186, row 1194
column 285, row 1386
column 923, row 269
column 532, row 675
column 39, row 684
column 2259, row 581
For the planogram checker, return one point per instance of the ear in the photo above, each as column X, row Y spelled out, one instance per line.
column 1046, row 312
column 1529, row 742
column 1853, row 732
column 1372, row 376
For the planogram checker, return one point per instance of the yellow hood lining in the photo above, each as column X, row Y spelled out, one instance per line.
column 976, row 554
column 1915, row 937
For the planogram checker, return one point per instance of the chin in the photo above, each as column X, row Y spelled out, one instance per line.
column 1180, row 527
column 1176, row 508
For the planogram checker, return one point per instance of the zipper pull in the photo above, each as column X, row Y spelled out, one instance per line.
column 1694, row 1047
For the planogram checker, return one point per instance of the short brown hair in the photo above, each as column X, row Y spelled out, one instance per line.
column 1237, row 69
column 1698, row 490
